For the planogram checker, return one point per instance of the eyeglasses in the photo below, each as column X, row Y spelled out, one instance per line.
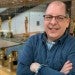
column 58, row 18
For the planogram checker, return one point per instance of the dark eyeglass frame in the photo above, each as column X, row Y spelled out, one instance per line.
column 58, row 18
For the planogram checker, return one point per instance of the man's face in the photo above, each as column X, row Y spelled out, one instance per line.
column 55, row 21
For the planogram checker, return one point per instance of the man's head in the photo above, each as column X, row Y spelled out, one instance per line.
column 56, row 20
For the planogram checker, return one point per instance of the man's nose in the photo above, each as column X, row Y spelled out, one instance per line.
column 53, row 21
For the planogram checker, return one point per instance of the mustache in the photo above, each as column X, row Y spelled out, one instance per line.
column 54, row 27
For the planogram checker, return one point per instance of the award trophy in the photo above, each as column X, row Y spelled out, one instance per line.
column 26, row 27
column 1, row 32
column 9, row 34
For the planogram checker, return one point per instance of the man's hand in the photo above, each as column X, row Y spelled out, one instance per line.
column 34, row 67
column 66, row 68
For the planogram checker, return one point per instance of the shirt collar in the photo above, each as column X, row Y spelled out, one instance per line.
column 60, row 40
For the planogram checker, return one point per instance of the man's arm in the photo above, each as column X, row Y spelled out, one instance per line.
column 35, row 67
column 25, row 59
column 66, row 68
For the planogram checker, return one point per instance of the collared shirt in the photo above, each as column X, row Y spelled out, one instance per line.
column 50, row 44
column 36, row 50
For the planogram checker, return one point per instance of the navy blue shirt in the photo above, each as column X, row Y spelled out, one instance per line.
column 36, row 50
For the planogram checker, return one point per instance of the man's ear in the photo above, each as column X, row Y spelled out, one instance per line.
column 68, row 22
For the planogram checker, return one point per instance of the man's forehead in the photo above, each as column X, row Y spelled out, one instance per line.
column 57, row 3
column 56, row 8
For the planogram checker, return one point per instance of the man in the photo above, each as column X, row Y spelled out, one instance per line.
column 51, row 52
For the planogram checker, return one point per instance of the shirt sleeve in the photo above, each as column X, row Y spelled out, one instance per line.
column 25, row 59
column 45, row 70
column 71, row 57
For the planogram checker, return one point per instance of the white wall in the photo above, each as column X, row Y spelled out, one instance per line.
column 34, row 17
column 18, row 22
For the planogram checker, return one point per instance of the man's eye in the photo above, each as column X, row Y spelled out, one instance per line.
column 49, row 17
column 60, row 18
